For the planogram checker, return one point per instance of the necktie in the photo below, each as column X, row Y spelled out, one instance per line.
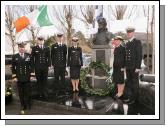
column 128, row 42
column 22, row 55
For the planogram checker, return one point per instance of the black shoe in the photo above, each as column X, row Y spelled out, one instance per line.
column 115, row 97
column 24, row 107
column 22, row 112
column 76, row 90
column 45, row 95
column 121, row 97
column 29, row 107
column 73, row 91
column 40, row 95
column 126, row 100
column 131, row 102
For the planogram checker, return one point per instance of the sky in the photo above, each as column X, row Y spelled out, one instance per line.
column 113, row 25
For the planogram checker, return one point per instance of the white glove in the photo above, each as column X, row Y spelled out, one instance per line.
column 31, row 78
column 122, row 69
column 137, row 70
column 14, row 80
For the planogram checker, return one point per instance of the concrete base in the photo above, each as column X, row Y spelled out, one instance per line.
column 63, row 97
column 97, row 82
column 147, row 95
column 100, row 53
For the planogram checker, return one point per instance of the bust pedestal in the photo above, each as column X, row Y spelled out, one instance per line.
column 100, row 53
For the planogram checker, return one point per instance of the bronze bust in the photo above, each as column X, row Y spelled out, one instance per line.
column 103, row 36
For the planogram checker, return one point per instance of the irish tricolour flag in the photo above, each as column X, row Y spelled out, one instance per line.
column 37, row 18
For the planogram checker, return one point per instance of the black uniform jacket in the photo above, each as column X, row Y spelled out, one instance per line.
column 41, row 57
column 58, row 55
column 22, row 67
column 75, row 56
column 133, row 54
column 119, row 57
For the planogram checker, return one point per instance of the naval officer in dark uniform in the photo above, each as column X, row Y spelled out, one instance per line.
column 22, row 72
column 119, row 65
column 133, row 60
column 75, row 62
column 58, row 56
column 42, row 61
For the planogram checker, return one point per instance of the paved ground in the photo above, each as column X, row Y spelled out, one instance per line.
column 48, row 108
column 13, row 109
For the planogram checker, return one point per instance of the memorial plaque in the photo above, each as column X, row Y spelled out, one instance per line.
column 100, row 83
column 100, row 55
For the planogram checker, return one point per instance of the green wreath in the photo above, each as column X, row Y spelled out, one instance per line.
column 96, row 91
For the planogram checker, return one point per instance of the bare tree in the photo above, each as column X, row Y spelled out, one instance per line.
column 88, row 14
column 148, row 15
column 152, row 38
column 118, row 11
column 11, row 14
column 33, row 30
column 150, row 59
column 9, row 18
column 131, row 11
column 144, row 10
column 88, row 17
column 65, row 17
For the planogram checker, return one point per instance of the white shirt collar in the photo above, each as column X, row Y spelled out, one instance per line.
column 131, row 38
column 41, row 46
column 118, row 45
column 21, row 54
column 60, row 43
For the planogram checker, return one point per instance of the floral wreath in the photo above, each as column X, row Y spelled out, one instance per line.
column 97, row 91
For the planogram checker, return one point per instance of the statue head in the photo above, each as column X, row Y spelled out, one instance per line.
column 102, row 23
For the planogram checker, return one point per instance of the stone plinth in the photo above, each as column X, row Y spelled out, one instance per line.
column 100, row 53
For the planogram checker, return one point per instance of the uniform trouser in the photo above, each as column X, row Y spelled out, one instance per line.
column 133, row 83
column 24, row 90
column 41, row 76
column 59, row 72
